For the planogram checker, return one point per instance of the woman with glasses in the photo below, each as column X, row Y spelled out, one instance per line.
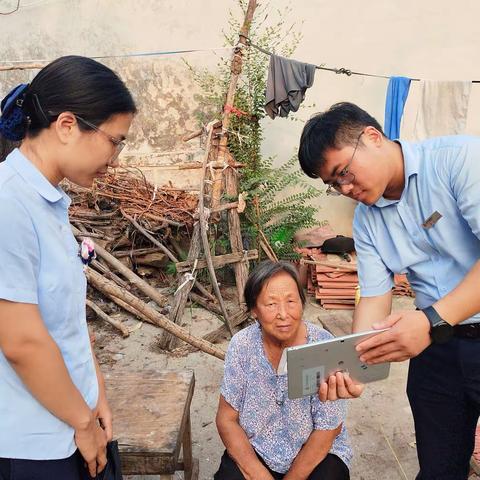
column 267, row 436
column 72, row 121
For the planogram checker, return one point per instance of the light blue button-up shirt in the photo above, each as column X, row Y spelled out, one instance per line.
column 40, row 265
column 441, row 175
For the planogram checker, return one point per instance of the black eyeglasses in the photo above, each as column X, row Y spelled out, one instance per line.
column 345, row 177
column 118, row 144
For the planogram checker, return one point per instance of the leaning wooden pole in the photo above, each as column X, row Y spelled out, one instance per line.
column 203, row 231
column 231, row 181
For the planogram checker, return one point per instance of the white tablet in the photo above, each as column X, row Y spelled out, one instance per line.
column 310, row 364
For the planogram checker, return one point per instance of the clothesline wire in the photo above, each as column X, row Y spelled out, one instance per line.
column 342, row 70
column 128, row 55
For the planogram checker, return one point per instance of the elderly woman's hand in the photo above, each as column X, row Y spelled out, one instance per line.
column 339, row 386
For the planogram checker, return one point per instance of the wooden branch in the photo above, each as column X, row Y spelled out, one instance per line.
column 100, row 313
column 135, row 252
column 91, row 234
column 154, row 317
column 220, row 208
column 203, row 302
column 170, row 255
column 236, row 69
column 197, row 133
column 173, row 223
column 168, row 342
column 203, row 231
column 127, row 307
column 218, row 261
column 160, row 245
column 134, row 279
column 214, row 336
column 267, row 248
column 101, row 267
column 109, row 274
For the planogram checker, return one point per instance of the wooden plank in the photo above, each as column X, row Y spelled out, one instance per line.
column 187, row 450
column 339, row 324
column 151, row 410
column 218, row 261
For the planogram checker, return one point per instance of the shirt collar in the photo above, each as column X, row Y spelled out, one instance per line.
column 411, row 166
column 18, row 162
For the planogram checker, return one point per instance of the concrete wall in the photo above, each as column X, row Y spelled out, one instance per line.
column 429, row 39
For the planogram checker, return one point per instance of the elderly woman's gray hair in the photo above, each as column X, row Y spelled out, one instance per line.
column 262, row 273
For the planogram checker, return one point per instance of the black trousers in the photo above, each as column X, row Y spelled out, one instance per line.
column 71, row 468
column 444, row 392
column 331, row 468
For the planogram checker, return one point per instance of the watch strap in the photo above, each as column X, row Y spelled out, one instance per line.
column 433, row 317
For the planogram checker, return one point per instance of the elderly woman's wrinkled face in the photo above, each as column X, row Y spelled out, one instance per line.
column 279, row 308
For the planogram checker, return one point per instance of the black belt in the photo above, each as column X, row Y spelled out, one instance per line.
column 470, row 330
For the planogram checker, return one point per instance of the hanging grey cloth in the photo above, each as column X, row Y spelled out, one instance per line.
column 286, row 85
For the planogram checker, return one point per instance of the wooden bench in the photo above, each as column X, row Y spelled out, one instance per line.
column 151, row 421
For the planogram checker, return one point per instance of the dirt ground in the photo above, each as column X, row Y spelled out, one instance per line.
column 380, row 422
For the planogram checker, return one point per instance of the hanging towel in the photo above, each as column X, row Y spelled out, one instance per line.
column 286, row 85
column 397, row 93
column 442, row 109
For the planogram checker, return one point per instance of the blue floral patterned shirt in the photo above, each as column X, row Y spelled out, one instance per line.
column 276, row 426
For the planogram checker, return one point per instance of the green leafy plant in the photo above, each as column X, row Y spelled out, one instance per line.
column 278, row 198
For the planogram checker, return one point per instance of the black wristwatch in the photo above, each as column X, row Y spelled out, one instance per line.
column 440, row 330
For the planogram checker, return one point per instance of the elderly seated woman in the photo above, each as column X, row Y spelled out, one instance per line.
column 267, row 435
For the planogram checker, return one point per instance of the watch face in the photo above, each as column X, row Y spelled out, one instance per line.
column 442, row 333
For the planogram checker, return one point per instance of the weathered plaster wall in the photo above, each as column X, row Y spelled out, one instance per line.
column 430, row 39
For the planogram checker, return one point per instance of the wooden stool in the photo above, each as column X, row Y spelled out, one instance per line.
column 151, row 421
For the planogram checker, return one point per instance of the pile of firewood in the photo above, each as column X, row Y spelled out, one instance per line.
column 116, row 211
column 138, row 229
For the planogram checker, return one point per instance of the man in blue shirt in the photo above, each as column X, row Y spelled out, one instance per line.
column 419, row 214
